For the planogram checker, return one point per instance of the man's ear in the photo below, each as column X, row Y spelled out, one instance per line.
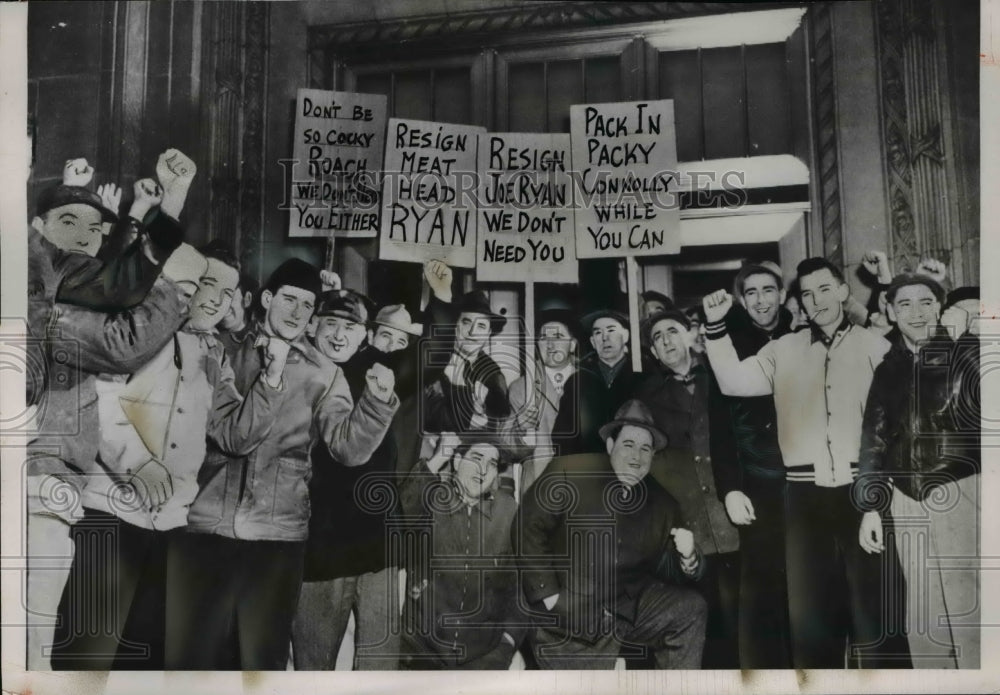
column 247, row 299
column 843, row 292
column 371, row 336
column 739, row 298
column 782, row 296
column 890, row 312
column 38, row 224
column 610, row 443
column 593, row 341
column 572, row 346
column 312, row 326
column 265, row 299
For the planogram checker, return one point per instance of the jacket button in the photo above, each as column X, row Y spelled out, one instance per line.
column 180, row 410
column 697, row 459
column 704, row 488
column 173, row 446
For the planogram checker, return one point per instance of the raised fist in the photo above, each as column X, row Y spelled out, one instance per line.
column 381, row 381
column 877, row 263
column 148, row 191
column 77, row 172
column 172, row 166
column 717, row 305
column 275, row 356
column 439, row 276
column 330, row 280
column 934, row 269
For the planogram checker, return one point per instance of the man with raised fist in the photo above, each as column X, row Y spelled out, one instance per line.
column 233, row 578
column 820, row 379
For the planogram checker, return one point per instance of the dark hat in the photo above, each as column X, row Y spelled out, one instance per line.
column 57, row 196
column 346, row 304
column 960, row 294
column 295, row 273
column 672, row 314
column 654, row 296
column 755, row 268
column 636, row 413
column 476, row 302
column 589, row 320
column 906, row 279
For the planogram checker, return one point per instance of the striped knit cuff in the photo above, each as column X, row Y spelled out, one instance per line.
column 714, row 331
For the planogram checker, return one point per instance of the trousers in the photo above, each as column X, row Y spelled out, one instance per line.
column 837, row 593
column 323, row 613
column 670, row 622
column 231, row 602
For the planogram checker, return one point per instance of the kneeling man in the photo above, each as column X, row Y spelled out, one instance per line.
column 605, row 554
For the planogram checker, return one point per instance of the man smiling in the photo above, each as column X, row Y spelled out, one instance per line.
column 820, row 379
column 750, row 474
column 234, row 577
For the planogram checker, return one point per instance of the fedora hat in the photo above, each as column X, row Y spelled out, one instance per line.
column 635, row 412
column 396, row 316
column 476, row 302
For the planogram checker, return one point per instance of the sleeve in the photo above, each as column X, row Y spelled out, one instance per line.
column 123, row 274
column 120, row 343
column 869, row 491
column 352, row 431
column 497, row 403
column 531, row 539
column 726, row 466
column 670, row 567
column 238, row 424
column 753, row 376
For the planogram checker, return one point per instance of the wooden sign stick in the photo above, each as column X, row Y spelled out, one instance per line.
column 632, row 281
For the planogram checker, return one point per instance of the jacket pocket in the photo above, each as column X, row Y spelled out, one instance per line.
column 290, row 509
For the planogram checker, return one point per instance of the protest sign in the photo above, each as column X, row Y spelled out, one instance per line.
column 339, row 140
column 625, row 170
column 428, row 193
column 526, row 228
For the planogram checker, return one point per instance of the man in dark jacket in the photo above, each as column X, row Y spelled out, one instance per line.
column 750, row 473
column 677, row 395
column 605, row 552
column 920, row 445
column 464, row 388
column 346, row 566
column 606, row 377
column 462, row 608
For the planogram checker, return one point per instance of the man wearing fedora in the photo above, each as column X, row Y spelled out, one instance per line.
column 606, row 555
column 546, row 414
column 676, row 390
column 464, row 388
column 346, row 566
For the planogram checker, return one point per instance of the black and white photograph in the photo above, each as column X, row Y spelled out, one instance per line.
column 348, row 338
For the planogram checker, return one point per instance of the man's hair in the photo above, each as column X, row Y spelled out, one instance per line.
column 815, row 264
column 756, row 268
column 248, row 284
column 503, row 460
column 222, row 252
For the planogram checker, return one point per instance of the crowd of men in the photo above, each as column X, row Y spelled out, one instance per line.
column 237, row 470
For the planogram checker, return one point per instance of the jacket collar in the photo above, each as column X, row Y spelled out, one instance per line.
column 817, row 334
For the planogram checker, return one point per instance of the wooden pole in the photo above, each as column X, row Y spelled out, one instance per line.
column 331, row 247
column 632, row 281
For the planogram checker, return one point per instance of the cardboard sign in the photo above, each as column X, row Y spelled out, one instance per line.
column 338, row 147
column 428, row 193
column 526, row 228
column 625, row 172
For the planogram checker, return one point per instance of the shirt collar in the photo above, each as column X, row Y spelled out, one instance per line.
column 611, row 373
column 566, row 371
column 301, row 345
column 209, row 337
column 485, row 505
column 818, row 334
